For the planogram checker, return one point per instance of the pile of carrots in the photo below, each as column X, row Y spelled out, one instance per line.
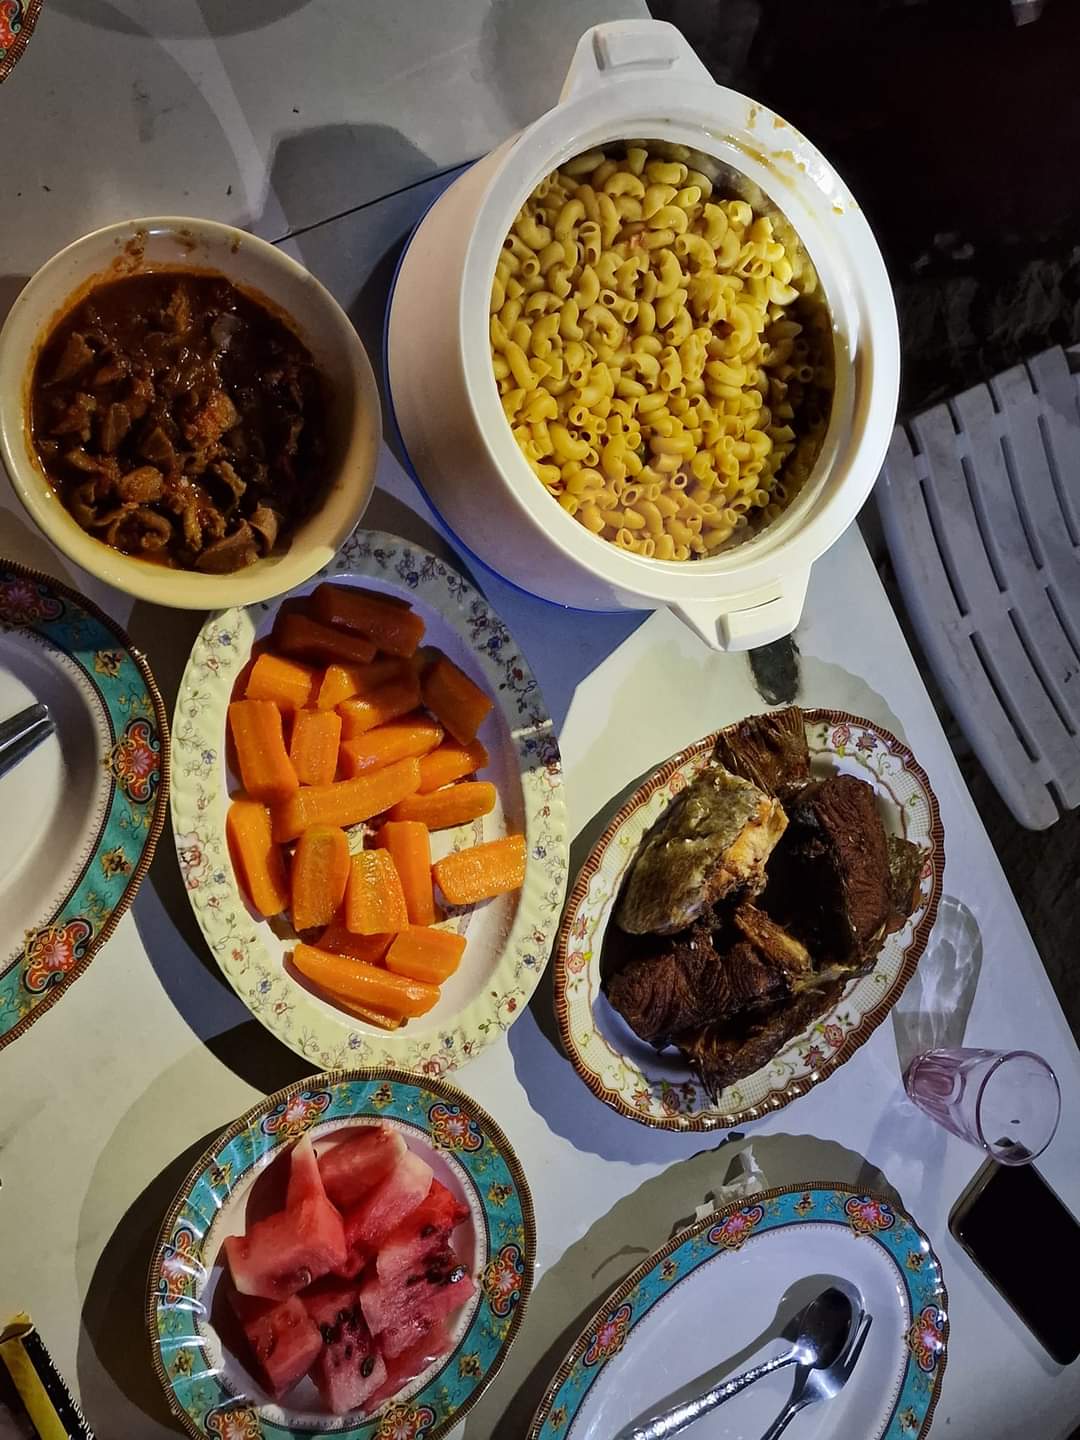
column 346, row 719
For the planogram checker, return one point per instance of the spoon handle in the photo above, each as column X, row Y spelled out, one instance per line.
column 680, row 1416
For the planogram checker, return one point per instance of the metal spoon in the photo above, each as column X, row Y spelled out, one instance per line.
column 22, row 733
column 814, row 1384
column 819, row 1333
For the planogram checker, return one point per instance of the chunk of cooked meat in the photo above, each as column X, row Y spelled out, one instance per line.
column 829, row 879
column 77, row 418
column 75, row 357
column 156, row 447
column 143, row 486
column 231, row 553
column 266, row 523
column 773, row 940
column 770, row 751
column 212, row 420
column 713, row 840
column 115, row 424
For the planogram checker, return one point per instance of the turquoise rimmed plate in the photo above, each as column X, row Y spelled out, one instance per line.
column 707, row 1304
column 85, row 809
column 208, row 1387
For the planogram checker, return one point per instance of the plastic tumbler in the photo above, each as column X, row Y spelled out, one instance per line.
column 1007, row 1102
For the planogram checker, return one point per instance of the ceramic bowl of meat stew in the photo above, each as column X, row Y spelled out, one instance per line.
column 187, row 413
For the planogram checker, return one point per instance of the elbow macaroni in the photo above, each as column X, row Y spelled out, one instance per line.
column 646, row 358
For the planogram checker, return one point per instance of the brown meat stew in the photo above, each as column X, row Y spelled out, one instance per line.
column 180, row 420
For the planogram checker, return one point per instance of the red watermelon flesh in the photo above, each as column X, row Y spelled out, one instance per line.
column 283, row 1338
column 330, row 1298
column 403, row 1311
column 283, row 1253
column 392, row 1200
column 305, row 1182
column 349, row 1367
column 410, row 1363
column 351, row 1169
column 426, row 1230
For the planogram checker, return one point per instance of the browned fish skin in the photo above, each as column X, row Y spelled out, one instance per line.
column 770, row 751
column 714, row 839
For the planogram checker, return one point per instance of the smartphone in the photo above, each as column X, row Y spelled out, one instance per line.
column 1038, row 1277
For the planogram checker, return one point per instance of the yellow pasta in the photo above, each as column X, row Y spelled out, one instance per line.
column 647, row 356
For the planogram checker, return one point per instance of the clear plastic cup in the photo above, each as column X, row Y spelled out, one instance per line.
column 1007, row 1102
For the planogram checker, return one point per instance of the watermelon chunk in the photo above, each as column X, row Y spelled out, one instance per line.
column 423, row 1232
column 284, row 1340
column 391, row 1201
column 403, row 1311
column 351, row 1169
column 283, row 1253
column 410, row 1363
column 348, row 1367
column 305, row 1181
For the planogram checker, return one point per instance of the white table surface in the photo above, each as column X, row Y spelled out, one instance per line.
column 108, row 1099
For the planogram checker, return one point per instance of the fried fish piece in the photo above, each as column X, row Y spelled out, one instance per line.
column 712, row 841
column 776, row 943
column 770, row 751
column 906, row 862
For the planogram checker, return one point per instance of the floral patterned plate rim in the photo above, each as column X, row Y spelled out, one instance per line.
column 209, row 1392
column 510, row 937
column 911, row 1340
column 17, row 21
column 111, row 724
column 660, row 1090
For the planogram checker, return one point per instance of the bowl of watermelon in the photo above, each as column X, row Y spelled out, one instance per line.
column 351, row 1255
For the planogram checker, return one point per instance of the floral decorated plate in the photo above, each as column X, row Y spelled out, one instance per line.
column 209, row 1387
column 85, row 809
column 659, row 1089
column 17, row 21
column 509, row 937
column 714, row 1300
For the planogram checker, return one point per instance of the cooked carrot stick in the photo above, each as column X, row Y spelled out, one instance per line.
column 398, row 740
column 428, row 955
column 455, row 805
column 364, row 984
column 367, row 1012
column 313, row 749
column 450, row 762
column 374, row 899
column 258, row 861
column 347, row 801
column 266, row 769
column 471, row 875
column 297, row 634
column 340, row 940
column 387, row 622
column 286, row 682
column 455, row 700
column 341, row 682
column 320, row 871
column 410, row 849
column 388, row 702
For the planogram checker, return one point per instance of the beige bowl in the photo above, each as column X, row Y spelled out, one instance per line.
column 353, row 412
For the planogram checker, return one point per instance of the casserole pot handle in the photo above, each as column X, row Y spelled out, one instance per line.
column 726, row 628
column 631, row 47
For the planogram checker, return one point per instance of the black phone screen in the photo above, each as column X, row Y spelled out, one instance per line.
column 1038, row 1277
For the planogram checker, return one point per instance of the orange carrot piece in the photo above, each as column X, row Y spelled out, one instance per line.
column 388, row 702
column 313, row 749
column 450, row 762
column 340, row 940
column 297, row 634
column 374, row 899
column 367, row 1012
column 320, row 872
column 286, row 682
column 410, row 849
column 453, row 698
column 428, row 955
column 259, row 863
column 347, row 801
column 415, row 735
column 342, row 682
column 392, row 626
column 456, row 805
column 364, row 984
column 266, row 769
column 471, row 875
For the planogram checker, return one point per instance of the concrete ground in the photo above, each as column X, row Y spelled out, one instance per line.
column 957, row 131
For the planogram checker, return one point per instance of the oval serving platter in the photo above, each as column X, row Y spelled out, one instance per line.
column 90, row 799
column 209, row 1388
column 509, row 937
column 659, row 1089
column 714, row 1290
